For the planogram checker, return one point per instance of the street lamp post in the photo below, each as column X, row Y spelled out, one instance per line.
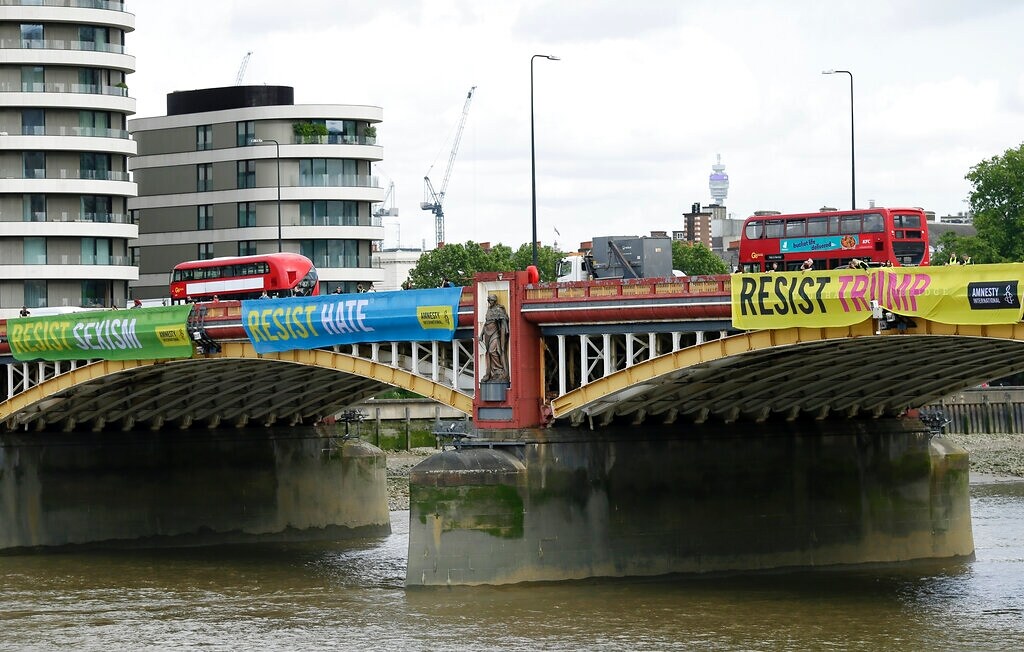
column 277, row 153
column 533, row 157
column 853, row 167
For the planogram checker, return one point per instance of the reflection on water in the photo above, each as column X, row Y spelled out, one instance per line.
column 351, row 595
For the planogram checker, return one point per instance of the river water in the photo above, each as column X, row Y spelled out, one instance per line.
column 351, row 595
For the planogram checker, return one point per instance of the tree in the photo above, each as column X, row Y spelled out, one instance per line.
column 997, row 202
column 696, row 259
column 547, row 260
column 459, row 262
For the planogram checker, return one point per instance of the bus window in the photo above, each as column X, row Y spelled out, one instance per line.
column 849, row 224
column 773, row 228
column 873, row 223
column 796, row 228
column 817, row 226
column 754, row 230
column 833, row 224
column 907, row 220
column 749, row 268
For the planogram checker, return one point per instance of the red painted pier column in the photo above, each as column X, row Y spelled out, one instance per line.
column 514, row 399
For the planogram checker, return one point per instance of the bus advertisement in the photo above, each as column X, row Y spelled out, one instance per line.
column 871, row 237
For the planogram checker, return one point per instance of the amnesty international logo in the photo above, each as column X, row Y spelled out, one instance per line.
column 993, row 295
column 435, row 317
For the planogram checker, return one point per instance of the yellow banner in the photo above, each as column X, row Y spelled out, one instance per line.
column 953, row 294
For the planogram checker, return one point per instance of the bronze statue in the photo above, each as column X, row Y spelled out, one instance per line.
column 494, row 337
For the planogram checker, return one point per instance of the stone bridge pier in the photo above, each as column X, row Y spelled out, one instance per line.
column 565, row 503
column 187, row 487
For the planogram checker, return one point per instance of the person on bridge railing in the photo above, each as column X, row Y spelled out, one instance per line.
column 24, row 311
column 494, row 337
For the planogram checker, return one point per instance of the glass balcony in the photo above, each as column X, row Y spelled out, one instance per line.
column 113, row 5
column 334, row 139
column 338, row 180
column 92, row 132
column 93, row 259
column 50, row 44
column 42, row 87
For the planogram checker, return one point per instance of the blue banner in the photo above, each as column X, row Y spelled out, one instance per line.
column 314, row 322
column 825, row 243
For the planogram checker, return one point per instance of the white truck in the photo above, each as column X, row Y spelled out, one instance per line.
column 620, row 257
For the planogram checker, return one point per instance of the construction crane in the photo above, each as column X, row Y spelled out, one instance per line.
column 387, row 207
column 435, row 205
column 241, row 68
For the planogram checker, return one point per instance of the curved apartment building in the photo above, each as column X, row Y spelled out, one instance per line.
column 64, row 146
column 242, row 170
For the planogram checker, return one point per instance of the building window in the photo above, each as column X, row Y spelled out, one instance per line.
column 246, row 174
column 245, row 132
column 246, row 214
column 204, row 217
column 33, row 79
column 34, row 165
column 94, row 38
column 35, row 251
column 32, row 36
column 205, row 251
column 204, row 177
column 94, row 293
column 133, row 256
column 94, row 123
column 90, row 80
column 329, row 213
column 204, row 137
column 94, row 165
column 97, row 208
column 246, row 247
column 341, row 131
column 331, row 253
column 327, row 172
column 96, row 251
column 33, row 122
column 33, row 208
column 35, row 294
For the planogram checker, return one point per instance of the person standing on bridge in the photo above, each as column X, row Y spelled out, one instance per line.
column 494, row 336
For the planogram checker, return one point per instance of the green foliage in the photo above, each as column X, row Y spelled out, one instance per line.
column 696, row 259
column 997, row 202
column 309, row 131
column 547, row 260
column 949, row 243
column 459, row 262
column 370, row 131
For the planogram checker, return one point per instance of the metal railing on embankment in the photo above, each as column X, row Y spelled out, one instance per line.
column 992, row 410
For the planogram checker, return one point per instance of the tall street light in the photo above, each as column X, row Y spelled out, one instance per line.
column 533, row 156
column 277, row 152
column 853, row 167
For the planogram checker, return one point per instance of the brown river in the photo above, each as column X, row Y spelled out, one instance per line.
column 350, row 596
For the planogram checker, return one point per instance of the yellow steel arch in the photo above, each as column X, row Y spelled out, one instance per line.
column 244, row 351
column 899, row 359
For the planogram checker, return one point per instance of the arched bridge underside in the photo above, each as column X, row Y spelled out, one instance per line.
column 799, row 373
column 236, row 387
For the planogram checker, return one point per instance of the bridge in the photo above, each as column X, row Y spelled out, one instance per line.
column 659, row 349
column 641, row 427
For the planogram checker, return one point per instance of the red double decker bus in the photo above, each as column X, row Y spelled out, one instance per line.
column 874, row 236
column 244, row 277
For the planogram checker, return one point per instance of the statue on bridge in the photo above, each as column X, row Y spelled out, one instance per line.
column 494, row 337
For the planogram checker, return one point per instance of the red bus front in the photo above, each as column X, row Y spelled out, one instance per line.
column 831, row 240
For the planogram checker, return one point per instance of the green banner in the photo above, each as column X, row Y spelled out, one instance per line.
column 137, row 334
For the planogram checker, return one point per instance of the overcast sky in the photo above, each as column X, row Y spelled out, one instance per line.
column 628, row 123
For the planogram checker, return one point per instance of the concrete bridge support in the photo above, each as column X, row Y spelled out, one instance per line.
column 187, row 488
column 692, row 499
